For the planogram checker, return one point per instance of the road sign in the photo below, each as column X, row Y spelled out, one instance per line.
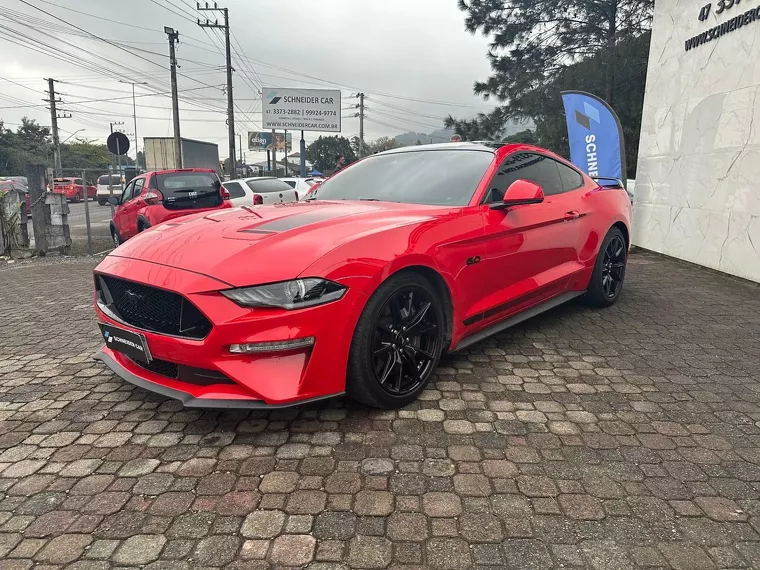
column 117, row 143
column 258, row 141
column 301, row 109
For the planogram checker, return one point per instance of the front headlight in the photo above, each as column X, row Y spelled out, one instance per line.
column 295, row 294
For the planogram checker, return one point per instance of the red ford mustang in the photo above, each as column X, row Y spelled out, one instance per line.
column 359, row 290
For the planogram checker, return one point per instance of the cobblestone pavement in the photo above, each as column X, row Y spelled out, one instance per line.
column 613, row 439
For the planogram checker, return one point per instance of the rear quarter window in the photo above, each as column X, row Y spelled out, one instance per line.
column 266, row 186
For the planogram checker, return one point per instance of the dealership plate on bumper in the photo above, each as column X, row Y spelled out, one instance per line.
column 127, row 342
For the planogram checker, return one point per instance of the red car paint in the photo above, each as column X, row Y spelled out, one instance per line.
column 143, row 205
column 73, row 188
column 526, row 255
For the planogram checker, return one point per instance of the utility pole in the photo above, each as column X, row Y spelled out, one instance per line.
column 174, row 37
column 361, row 125
column 54, row 123
column 134, row 116
column 230, row 103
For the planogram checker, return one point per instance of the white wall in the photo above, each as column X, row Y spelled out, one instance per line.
column 698, row 178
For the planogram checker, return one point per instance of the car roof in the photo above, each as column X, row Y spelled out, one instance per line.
column 177, row 170
column 479, row 145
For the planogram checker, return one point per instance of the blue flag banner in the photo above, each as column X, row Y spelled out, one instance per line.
column 595, row 135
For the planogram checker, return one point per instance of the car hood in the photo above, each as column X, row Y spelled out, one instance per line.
column 265, row 244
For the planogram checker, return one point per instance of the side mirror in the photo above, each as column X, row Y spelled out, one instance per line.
column 520, row 193
column 114, row 200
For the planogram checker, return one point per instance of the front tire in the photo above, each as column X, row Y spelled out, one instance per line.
column 397, row 343
column 609, row 271
column 116, row 237
column 76, row 198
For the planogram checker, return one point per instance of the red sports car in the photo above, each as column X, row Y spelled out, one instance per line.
column 359, row 290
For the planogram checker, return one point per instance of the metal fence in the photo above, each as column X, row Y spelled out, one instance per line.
column 89, row 216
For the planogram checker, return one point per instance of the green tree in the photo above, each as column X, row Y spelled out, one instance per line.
column 324, row 152
column 30, row 143
column 357, row 147
column 85, row 155
column 382, row 144
column 540, row 48
column 525, row 137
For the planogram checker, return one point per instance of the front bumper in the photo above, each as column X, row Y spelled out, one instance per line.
column 265, row 380
column 188, row 400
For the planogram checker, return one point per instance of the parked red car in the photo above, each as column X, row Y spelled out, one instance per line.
column 156, row 197
column 74, row 188
column 360, row 289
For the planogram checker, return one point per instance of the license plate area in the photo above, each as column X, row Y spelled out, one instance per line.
column 126, row 342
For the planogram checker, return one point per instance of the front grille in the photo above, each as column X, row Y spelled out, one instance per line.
column 160, row 367
column 152, row 309
column 187, row 374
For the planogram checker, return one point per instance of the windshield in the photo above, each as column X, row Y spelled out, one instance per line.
column 179, row 184
column 268, row 185
column 433, row 177
column 106, row 179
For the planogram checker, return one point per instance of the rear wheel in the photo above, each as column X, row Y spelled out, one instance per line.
column 102, row 202
column 609, row 271
column 397, row 343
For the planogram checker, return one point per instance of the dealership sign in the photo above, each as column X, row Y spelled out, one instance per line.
column 738, row 21
column 595, row 136
column 258, row 141
column 301, row 109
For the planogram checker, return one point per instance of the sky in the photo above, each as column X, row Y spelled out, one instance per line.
column 413, row 60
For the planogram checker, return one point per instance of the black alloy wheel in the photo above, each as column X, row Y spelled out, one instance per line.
column 613, row 267
column 397, row 342
column 609, row 270
column 405, row 342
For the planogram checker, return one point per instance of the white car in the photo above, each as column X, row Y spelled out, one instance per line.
column 301, row 185
column 103, row 192
column 259, row 190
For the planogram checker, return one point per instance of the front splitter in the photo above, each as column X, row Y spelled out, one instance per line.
column 190, row 401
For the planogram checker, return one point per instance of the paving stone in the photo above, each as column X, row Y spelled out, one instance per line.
column 139, row 549
column 293, row 550
column 279, row 482
column 480, row 527
column 263, row 524
column 437, row 504
column 369, row 552
column 216, row 550
column 720, row 509
column 582, row 507
column 686, row 557
column 407, row 526
column 335, row 526
column 373, row 503
column 448, row 553
column 64, row 548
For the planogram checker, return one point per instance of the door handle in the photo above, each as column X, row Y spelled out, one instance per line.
column 572, row 215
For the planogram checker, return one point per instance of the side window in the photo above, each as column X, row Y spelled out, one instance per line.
column 571, row 179
column 235, row 189
column 290, row 183
column 126, row 196
column 527, row 166
column 138, row 187
column 78, row 181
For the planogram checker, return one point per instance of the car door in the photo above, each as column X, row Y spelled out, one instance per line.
column 120, row 214
column 531, row 250
column 133, row 207
column 238, row 195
